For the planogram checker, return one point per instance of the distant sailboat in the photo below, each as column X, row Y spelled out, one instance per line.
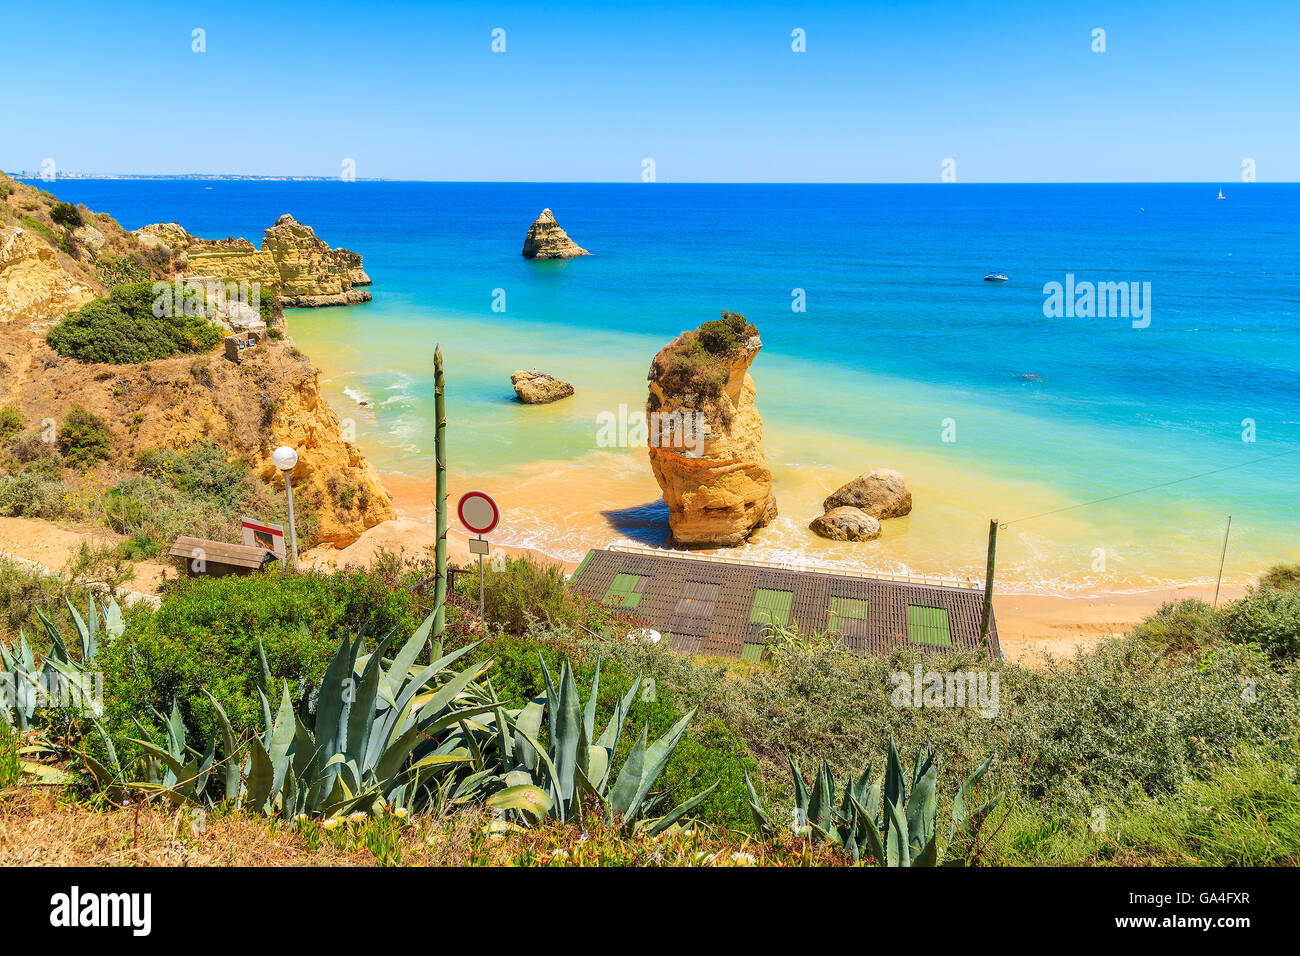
column 995, row 277
column 1220, row 196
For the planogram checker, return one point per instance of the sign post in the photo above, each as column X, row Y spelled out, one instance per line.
column 478, row 512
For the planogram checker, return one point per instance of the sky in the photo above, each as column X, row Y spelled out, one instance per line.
column 883, row 92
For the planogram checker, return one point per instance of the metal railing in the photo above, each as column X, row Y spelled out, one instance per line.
column 968, row 585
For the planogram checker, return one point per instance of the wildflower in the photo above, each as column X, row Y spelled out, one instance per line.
column 747, row 859
column 332, row 823
column 357, row 817
column 560, row 854
column 400, row 813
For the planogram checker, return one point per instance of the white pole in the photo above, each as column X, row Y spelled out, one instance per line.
column 293, row 528
column 480, row 583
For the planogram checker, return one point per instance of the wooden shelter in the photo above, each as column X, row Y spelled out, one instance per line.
column 218, row 558
column 726, row 607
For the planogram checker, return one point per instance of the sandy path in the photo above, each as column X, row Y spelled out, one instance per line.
column 50, row 547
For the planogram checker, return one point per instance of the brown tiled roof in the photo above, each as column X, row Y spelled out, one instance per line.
column 706, row 606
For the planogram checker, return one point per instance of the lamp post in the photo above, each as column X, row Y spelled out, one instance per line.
column 285, row 458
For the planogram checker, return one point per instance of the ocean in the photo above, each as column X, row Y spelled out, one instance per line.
column 1112, row 448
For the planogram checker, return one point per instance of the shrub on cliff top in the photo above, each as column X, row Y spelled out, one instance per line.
column 83, row 438
column 720, row 336
column 123, row 330
column 66, row 214
column 1284, row 577
column 1269, row 619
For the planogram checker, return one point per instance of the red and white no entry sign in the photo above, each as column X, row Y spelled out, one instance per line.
column 478, row 512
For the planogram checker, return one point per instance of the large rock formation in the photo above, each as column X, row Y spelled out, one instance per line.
column 706, row 436
column 302, row 269
column 537, row 388
column 34, row 286
column 881, row 493
column 546, row 240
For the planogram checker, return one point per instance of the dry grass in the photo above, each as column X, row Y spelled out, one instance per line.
column 42, row 827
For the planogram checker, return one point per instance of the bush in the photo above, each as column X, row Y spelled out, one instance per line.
column 1181, row 627
column 66, row 215
column 115, row 270
column 722, row 335
column 206, row 634
column 101, row 332
column 1284, row 577
column 522, row 592
column 124, row 330
column 31, row 495
column 1269, row 619
column 11, row 422
column 84, row 439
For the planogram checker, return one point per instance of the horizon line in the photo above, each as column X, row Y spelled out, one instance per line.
column 245, row 177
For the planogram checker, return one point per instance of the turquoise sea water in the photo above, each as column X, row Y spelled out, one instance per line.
column 901, row 343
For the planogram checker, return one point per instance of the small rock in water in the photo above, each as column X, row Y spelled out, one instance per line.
column 538, row 388
column 846, row 524
column 881, row 493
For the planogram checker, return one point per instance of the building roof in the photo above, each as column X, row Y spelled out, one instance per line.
column 725, row 607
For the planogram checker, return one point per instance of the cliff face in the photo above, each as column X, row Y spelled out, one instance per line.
column 270, row 398
column 706, row 436
column 34, row 286
column 303, row 269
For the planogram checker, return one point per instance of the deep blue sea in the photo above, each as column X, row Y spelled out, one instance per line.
column 904, row 357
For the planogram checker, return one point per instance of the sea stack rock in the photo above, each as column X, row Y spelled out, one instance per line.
column 537, row 388
column 546, row 240
column 706, row 436
column 881, row 493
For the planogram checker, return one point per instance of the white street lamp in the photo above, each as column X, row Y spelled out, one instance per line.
column 285, row 458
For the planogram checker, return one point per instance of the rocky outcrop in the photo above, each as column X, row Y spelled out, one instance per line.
column 349, row 497
column 546, row 240
column 846, row 524
column 881, row 493
column 706, row 436
column 303, row 269
column 34, row 286
column 537, row 388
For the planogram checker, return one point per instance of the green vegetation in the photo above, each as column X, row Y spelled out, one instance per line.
column 722, row 335
column 11, row 423
column 83, row 438
column 66, row 215
column 123, row 328
column 1177, row 744
column 695, row 363
column 213, row 633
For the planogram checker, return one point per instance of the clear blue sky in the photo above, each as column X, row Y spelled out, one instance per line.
column 885, row 92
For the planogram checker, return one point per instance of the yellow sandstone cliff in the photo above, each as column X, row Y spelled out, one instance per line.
column 706, row 436
column 270, row 397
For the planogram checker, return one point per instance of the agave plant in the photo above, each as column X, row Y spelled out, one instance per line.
column 894, row 826
column 380, row 735
column 574, row 768
column 24, row 685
